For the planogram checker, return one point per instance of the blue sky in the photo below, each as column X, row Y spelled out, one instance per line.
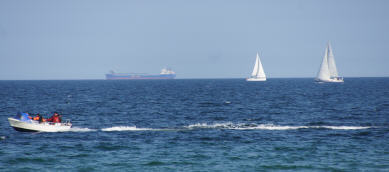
column 73, row 39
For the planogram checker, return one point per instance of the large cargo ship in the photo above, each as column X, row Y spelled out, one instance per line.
column 165, row 74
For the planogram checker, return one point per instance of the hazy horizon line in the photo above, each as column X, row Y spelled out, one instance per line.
column 85, row 79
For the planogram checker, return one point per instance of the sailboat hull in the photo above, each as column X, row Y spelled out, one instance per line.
column 338, row 79
column 256, row 79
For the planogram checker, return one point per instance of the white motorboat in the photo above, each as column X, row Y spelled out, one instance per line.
column 21, row 122
column 328, row 71
column 258, row 74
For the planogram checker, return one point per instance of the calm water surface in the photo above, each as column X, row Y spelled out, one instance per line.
column 200, row 125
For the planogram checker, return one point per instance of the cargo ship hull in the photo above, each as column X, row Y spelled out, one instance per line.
column 138, row 76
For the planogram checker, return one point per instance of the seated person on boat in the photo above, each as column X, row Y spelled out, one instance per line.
column 39, row 118
column 55, row 118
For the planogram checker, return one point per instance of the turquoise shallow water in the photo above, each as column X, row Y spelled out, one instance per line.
column 200, row 125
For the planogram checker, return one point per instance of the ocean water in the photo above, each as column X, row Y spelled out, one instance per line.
column 200, row 125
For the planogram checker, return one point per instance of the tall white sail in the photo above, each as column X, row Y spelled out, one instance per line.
column 261, row 72
column 258, row 73
column 331, row 63
column 255, row 70
column 324, row 73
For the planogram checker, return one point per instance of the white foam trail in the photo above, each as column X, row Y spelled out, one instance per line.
column 270, row 127
column 242, row 126
column 345, row 127
column 205, row 125
column 126, row 128
column 226, row 125
column 76, row 129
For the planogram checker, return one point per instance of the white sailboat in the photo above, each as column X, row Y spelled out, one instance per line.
column 258, row 74
column 328, row 71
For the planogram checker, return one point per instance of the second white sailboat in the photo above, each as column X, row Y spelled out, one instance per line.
column 328, row 71
column 258, row 74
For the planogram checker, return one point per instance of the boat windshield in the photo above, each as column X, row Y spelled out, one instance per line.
column 22, row 117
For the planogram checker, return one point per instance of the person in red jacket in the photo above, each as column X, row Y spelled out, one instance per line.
column 55, row 118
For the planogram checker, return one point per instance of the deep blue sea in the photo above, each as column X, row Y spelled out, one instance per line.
column 200, row 125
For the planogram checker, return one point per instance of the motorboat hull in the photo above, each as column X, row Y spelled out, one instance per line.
column 35, row 126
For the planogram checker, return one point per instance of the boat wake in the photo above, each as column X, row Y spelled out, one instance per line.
column 77, row 129
column 226, row 126
column 242, row 126
column 128, row 128
column 239, row 126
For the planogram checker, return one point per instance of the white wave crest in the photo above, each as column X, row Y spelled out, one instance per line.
column 126, row 128
column 242, row 126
